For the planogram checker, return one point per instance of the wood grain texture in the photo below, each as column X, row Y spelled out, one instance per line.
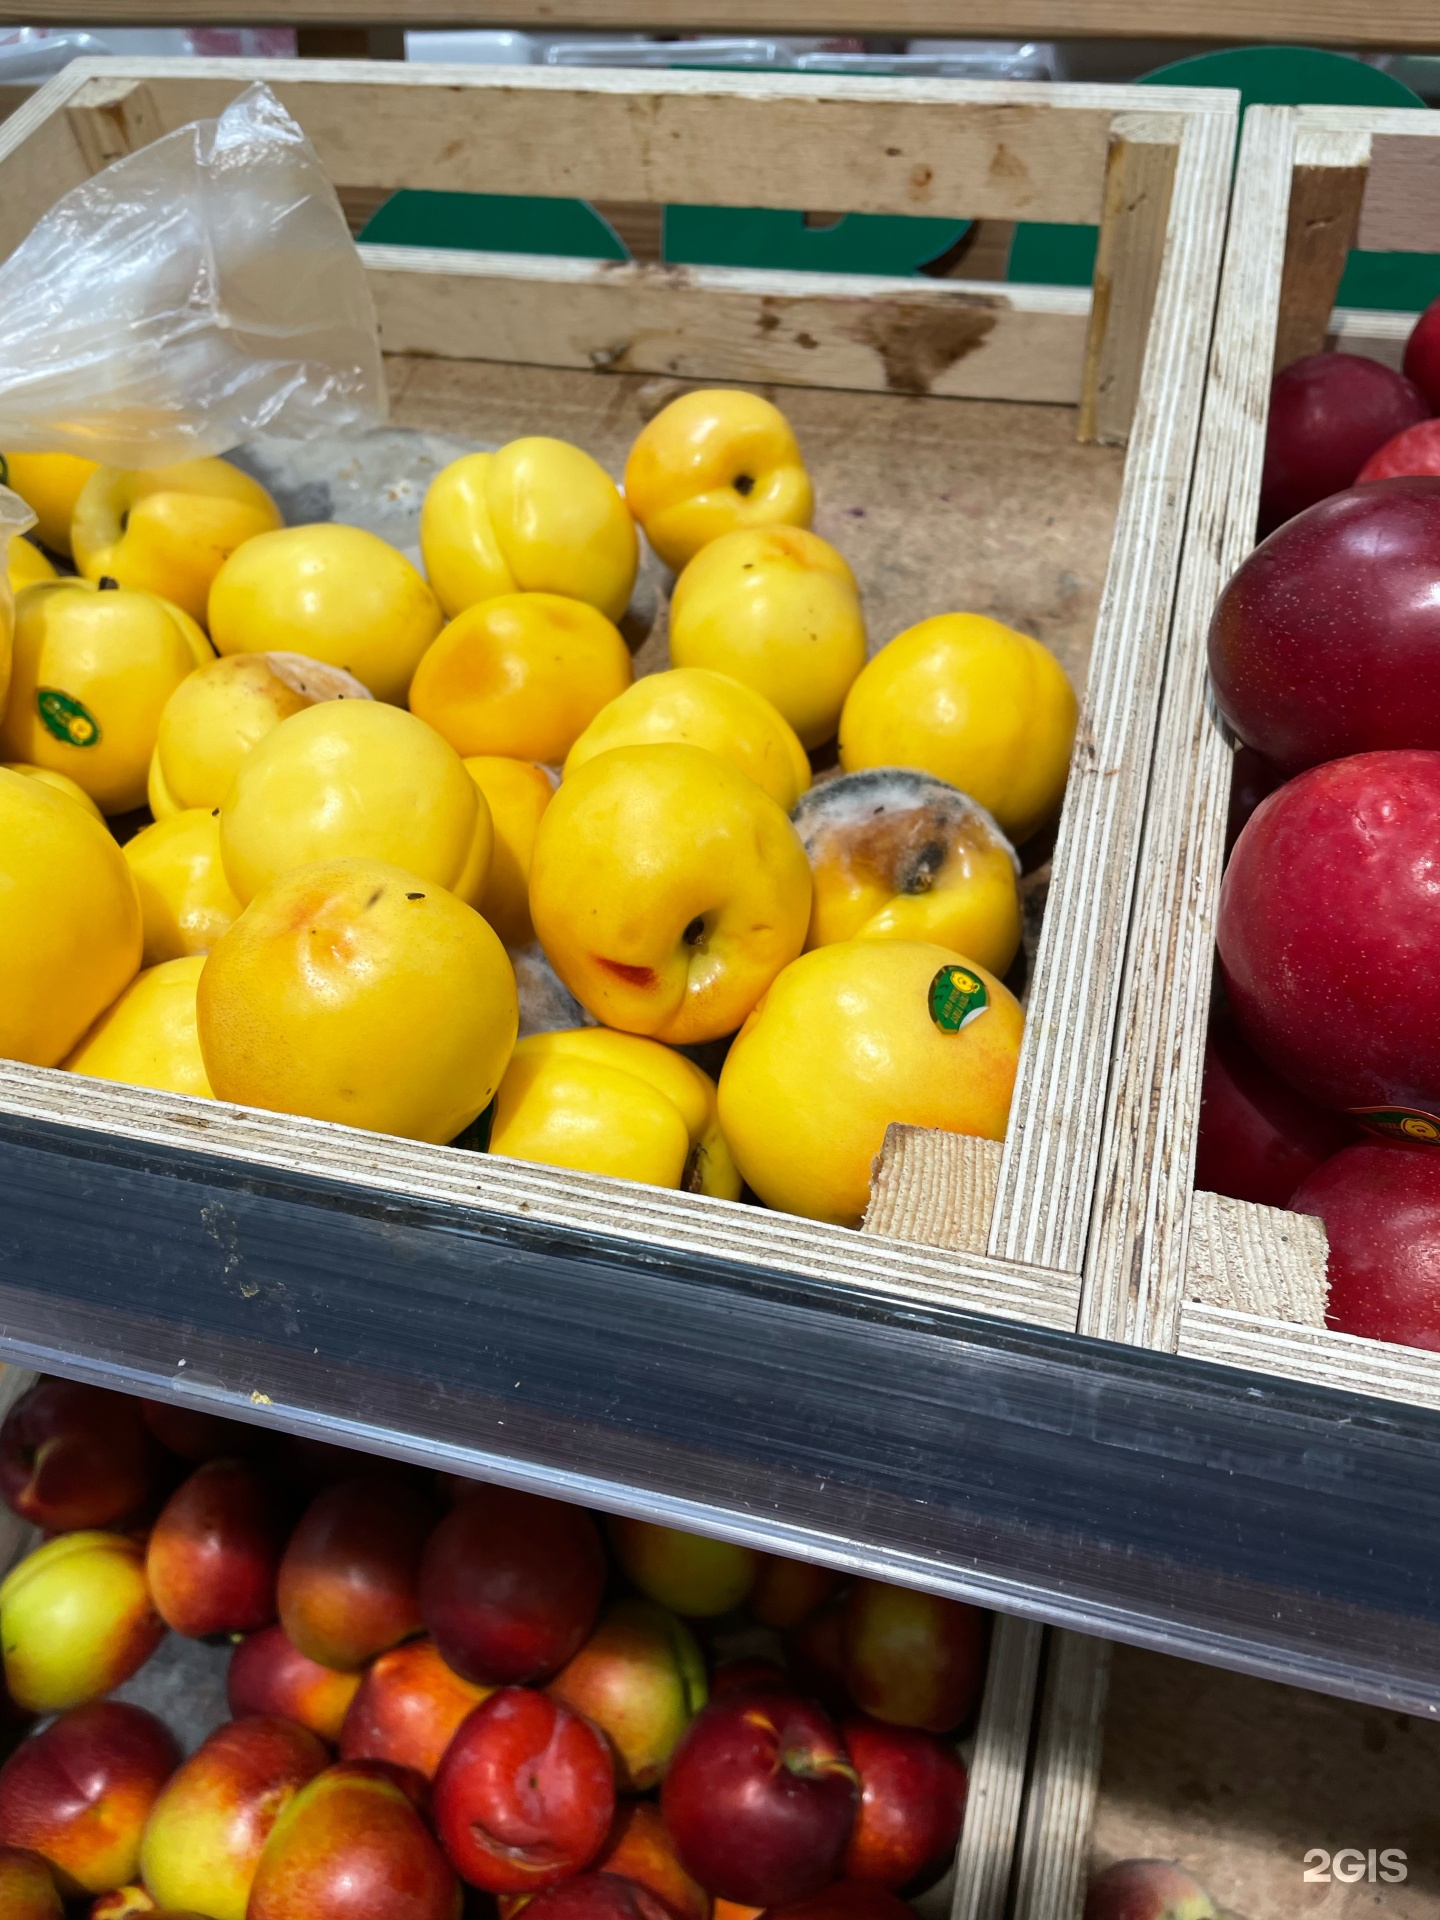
column 1314, row 1354
column 1398, row 144
column 1236, row 1778
column 1389, row 24
column 1053, row 1864
column 113, row 118
column 997, row 1772
column 1322, row 226
column 935, row 1188
column 868, row 333
column 1052, row 1151
column 1136, row 1259
column 1139, row 180
column 1402, row 203
column 1257, row 1260
column 40, row 159
column 942, row 148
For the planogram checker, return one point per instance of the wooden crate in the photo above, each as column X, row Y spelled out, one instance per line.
column 1206, row 1276
column 983, row 391
column 922, row 407
column 1196, row 1273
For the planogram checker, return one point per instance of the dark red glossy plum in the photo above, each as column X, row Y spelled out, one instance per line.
column 349, row 1581
column 1326, row 641
column 510, row 1585
column 1328, row 413
column 1380, row 1203
column 1422, row 355
column 912, row 1803
column 73, row 1456
column 214, row 1553
column 845, row 1900
column 760, row 1798
column 1329, row 938
column 1258, row 1138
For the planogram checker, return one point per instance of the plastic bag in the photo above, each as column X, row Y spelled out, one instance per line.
column 194, row 294
column 15, row 517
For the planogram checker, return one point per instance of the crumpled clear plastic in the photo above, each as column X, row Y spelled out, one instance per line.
column 195, row 293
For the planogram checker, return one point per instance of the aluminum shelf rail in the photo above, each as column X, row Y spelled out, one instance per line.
column 1287, row 1530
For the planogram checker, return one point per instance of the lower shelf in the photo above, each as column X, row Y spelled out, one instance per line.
column 184, row 1684
column 1274, row 1526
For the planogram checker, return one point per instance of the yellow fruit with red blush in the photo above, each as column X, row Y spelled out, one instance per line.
column 713, row 462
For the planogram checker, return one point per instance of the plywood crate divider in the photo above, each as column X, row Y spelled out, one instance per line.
column 1209, row 1277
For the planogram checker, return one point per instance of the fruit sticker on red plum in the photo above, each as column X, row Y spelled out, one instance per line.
column 1400, row 1123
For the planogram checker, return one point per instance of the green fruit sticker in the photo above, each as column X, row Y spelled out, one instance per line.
column 957, row 997
column 67, row 719
column 1400, row 1123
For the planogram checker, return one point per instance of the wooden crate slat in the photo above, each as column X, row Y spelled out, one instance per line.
column 1315, row 1354
column 1052, row 1869
column 1391, row 24
column 1136, row 1259
column 1327, row 185
column 997, row 1772
column 1052, row 1146
column 40, row 159
column 1139, row 182
column 854, row 144
column 863, row 332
